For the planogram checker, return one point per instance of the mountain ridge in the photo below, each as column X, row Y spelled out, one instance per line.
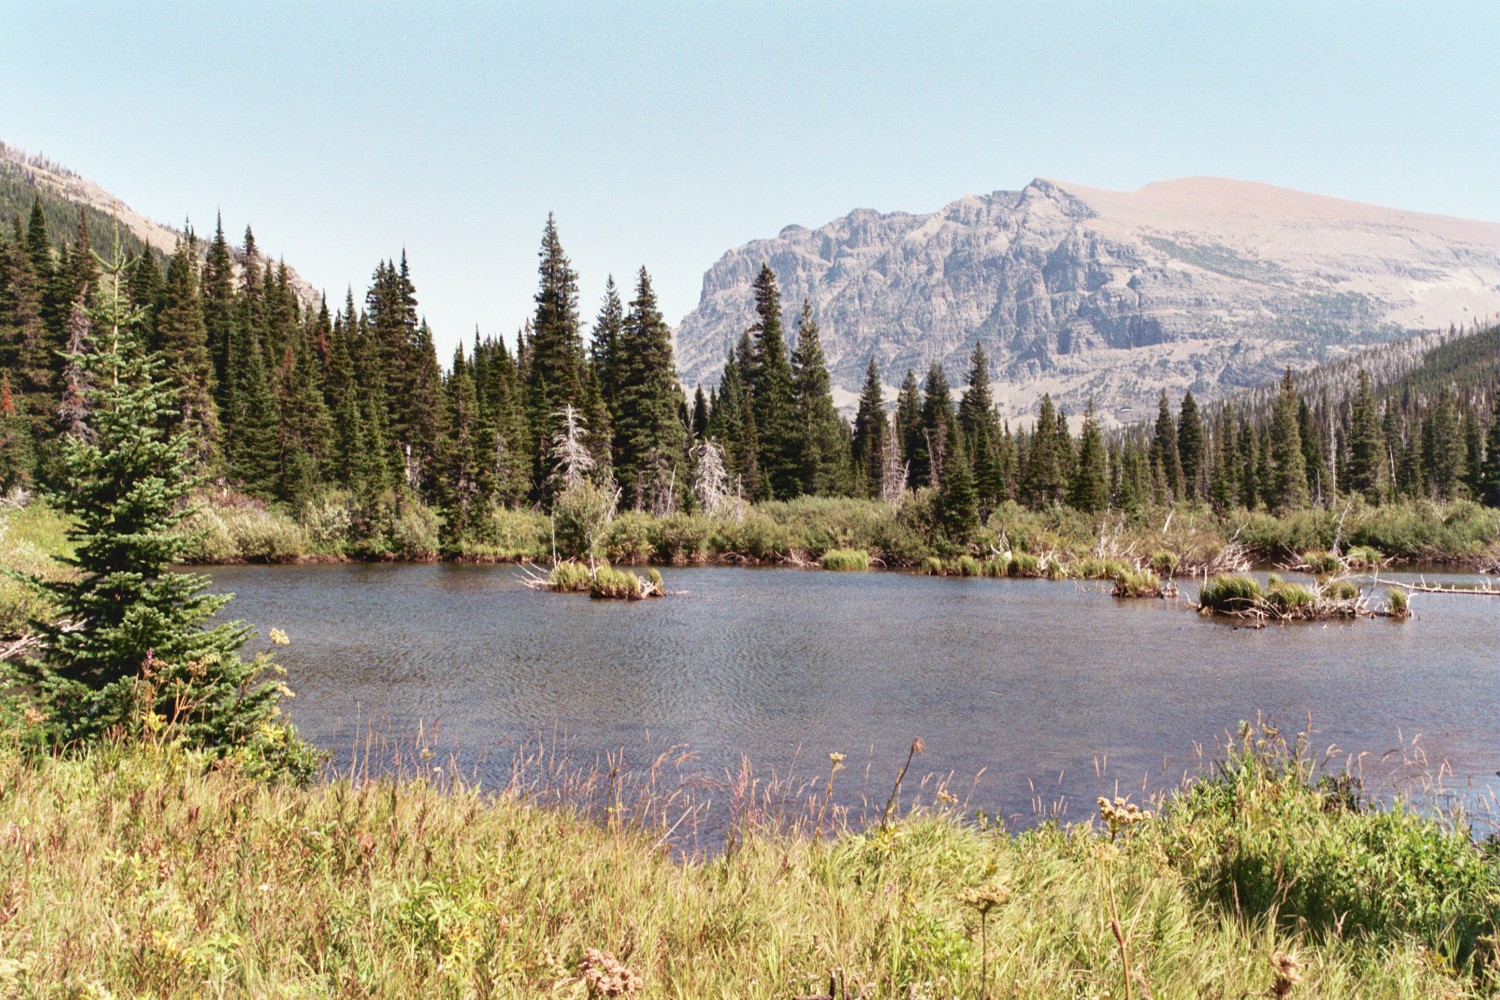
column 1200, row 282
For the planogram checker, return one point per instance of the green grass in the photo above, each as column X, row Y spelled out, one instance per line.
column 1289, row 597
column 31, row 542
column 1322, row 563
column 148, row 873
column 1227, row 594
column 569, row 578
column 846, row 560
column 1138, row 583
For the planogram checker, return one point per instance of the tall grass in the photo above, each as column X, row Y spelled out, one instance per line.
column 846, row 560
column 148, row 873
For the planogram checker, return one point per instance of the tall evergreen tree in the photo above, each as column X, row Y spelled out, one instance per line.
column 1190, row 448
column 976, row 418
column 869, row 435
column 1367, row 456
column 820, row 443
column 909, row 427
column 1090, row 486
column 182, row 341
column 554, row 349
column 1288, row 483
column 939, row 424
column 650, row 438
column 770, row 385
column 1164, row 451
column 141, row 653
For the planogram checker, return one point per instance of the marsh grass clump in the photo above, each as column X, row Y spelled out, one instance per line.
column 653, row 577
column 1229, row 594
column 996, row 566
column 569, row 577
column 1164, row 562
column 1056, row 569
column 1397, row 603
column 1363, row 557
column 1024, row 564
column 966, row 566
column 1142, row 583
column 620, row 585
column 1289, row 598
column 846, row 560
column 1322, row 563
column 1340, row 590
column 931, row 566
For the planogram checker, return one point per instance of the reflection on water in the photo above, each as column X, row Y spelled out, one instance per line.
column 1037, row 684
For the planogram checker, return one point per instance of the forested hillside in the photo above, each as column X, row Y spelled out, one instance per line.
column 345, row 413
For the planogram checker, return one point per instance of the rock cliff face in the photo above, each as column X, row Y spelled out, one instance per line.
column 1198, row 283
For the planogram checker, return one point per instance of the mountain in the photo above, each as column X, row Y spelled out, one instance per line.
column 1198, row 283
column 25, row 178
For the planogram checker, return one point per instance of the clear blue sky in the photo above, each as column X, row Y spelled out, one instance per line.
column 665, row 134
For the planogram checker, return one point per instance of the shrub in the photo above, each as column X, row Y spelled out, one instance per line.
column 629, row 539
column 1363, row 557
column 1165, row 562
column 1229, row 594
column 931, row 566
column 414, row 532
column 683, row 538
column 328, row 522
column 846, row 560
column 261, row 535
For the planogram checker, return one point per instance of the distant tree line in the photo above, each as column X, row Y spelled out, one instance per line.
column 288, row 403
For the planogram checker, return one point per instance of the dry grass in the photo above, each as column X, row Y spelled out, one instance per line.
column 141, row 873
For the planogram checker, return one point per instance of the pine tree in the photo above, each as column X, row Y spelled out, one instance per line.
column 219, row 311
column 699, row 422
column 1164, row 450
column 869, row 435
column 1090, row 486
column 1489, row 475
column 1190, row 448
column 16, row 460
column 976, row 418
column 1288, row 484
column 958, row 501
column 609, row 328
column 649, row 434
column 939, row 424
column 909, row 431
column 821, row 444
column 182, row 341
column 1443, row 447
column 1367, row 455
column 139, row 654
column 554, row 348
column 770, row 384
column 1044, row 481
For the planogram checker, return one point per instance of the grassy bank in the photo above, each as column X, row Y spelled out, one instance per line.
column 142, row 872
column 1183, row 539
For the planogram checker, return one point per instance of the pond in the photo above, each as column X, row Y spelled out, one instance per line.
column 1049, row 692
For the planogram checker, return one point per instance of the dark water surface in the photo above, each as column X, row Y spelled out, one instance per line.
column 1032, row 682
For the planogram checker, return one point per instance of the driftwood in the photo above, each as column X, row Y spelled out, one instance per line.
column 1423, row 587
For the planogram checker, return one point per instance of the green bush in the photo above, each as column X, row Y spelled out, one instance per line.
column 1363, row 557
column 1165, row 562
column 683, row 538
column 414, row 532
column 629, row 538
column 328, row 522
column 846, row 560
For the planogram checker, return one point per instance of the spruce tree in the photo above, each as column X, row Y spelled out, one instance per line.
column 1190, row 448
column 1164, row 450
column 770, row 384
column 909, row 425
column 554, row 349
column 939, row 424
column 182, row 341
column 976, row 418
column 1367, row 456
column 649, row 434
column 139, row 654
column 1044, row 480
column 820, row 444
column 958, row 501
column 1090, row 486
column 1489, row 475
column 1288, row 485
column 869, row 435
column 16, row 460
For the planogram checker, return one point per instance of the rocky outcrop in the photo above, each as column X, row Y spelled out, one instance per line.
column 1202, row 283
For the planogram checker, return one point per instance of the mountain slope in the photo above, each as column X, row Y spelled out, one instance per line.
column 1203, row 283
column 24, row 178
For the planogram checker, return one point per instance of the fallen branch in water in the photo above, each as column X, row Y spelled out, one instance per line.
column 1423, row 587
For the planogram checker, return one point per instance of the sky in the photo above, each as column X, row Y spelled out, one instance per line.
column 662, row 135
